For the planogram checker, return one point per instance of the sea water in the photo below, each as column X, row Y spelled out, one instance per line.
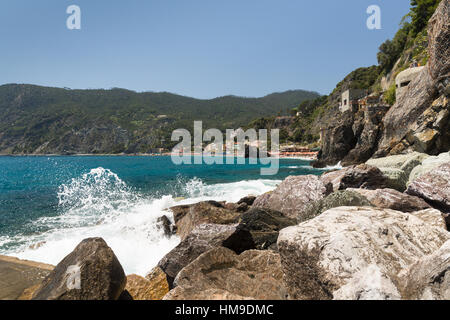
column 49, row 204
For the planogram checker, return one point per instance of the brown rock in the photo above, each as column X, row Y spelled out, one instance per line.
column 28, row 293
column 393, row 199
column 159, row 283
column 253, row 274
column 90, row 272
column 360, row 176
column 203, row 238
column 292, row 195
column 20, row 278
column 187, row 217
column 263, row 225
column 153, row 287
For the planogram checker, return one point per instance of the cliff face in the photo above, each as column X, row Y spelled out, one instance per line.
column 418, row 121
column 353, row 137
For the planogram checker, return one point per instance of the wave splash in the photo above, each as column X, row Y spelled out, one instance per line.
column 100, row 204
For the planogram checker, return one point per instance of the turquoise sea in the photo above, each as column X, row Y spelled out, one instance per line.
column 49, row 204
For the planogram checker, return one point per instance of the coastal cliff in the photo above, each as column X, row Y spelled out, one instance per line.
column 417, row 121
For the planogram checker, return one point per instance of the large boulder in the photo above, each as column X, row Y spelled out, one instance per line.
column 358, row 176
column 292, row 195
column 429, row 278
column 264, row 225
column 90, row 272
column 252, row 274
column 322, row 255
column 398, row 168
column 203, row 238
column 187, row 217
column 427, row 165
column 341, row 198
column 434, row 187
column 393, row 199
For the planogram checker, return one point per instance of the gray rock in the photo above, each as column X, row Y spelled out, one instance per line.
column 398, row 168
column 165, row 224
column 393, row 199
column 90, row 272
column 292, row 195
column 341, row 198
column 359, row 176
column 187, row 217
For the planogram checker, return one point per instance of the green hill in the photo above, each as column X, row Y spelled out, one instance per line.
column 43, row 120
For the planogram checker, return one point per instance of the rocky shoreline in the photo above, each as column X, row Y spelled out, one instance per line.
column 346, row 235
column 377, row 229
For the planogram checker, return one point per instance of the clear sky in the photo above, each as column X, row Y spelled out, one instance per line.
column 199, row 48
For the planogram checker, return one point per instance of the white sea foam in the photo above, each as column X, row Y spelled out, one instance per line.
column 335, row 167
column 100, row 204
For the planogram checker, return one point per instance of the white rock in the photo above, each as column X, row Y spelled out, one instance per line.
column 429, row 278
column 368, row 284
column 323, row 254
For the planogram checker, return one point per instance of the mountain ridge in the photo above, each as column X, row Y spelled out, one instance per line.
column 41, row 120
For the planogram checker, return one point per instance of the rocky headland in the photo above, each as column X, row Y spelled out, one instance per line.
column 418, row 121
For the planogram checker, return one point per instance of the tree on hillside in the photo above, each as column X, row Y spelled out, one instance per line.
column 421, row 12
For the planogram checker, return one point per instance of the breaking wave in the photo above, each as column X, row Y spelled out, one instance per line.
column 100, row 204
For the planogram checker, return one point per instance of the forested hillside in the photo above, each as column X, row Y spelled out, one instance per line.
column 42, row 120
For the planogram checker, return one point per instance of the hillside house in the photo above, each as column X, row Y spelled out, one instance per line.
column 349, row 99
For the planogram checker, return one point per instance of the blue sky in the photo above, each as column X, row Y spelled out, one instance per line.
column 198, row 48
